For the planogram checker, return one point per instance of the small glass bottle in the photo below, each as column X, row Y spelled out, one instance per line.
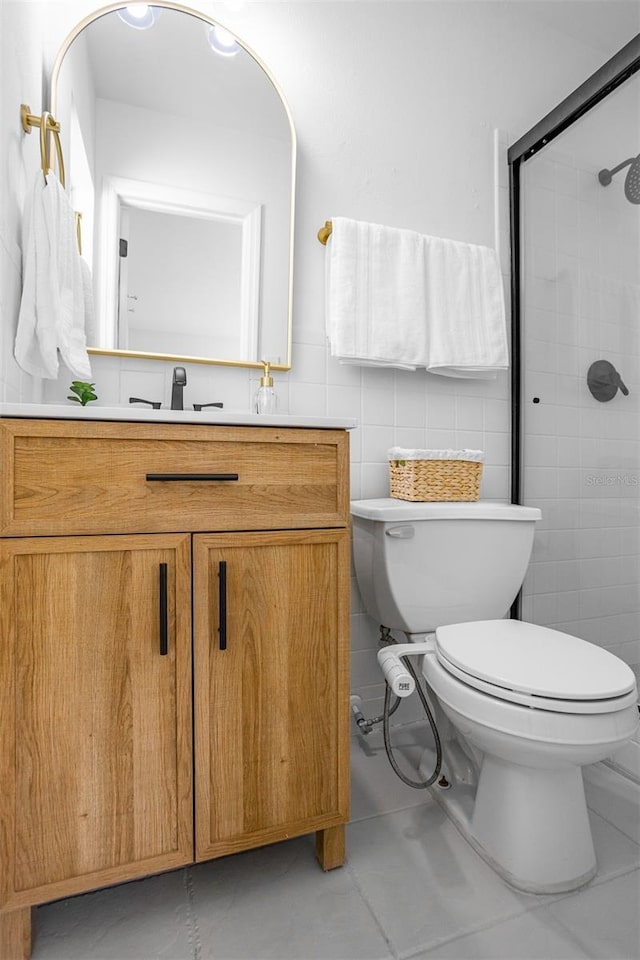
column 266, row 399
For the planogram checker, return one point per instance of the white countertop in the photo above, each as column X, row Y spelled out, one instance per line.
column 212, row 416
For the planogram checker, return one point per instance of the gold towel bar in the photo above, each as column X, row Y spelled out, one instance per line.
column 47, row 125
column 325, row 232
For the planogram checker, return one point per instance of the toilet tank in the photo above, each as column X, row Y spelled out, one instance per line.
column 423, row 565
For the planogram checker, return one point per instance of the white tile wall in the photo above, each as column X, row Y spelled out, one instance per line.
column 582, row 457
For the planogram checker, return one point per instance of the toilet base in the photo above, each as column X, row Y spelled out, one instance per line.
column 529, row 824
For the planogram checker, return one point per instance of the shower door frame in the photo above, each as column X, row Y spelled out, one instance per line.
column 597, row 87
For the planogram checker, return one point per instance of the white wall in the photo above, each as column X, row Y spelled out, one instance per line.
column 395, row 106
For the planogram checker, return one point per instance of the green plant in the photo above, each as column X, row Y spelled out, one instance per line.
column 84, row 392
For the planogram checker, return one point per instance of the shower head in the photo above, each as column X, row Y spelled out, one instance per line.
column 632, row 180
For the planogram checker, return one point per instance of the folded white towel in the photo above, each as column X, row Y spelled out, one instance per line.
column 407, row 453
column 465, row 303
column 56, row 295
column 375, row 297
column 402, row 299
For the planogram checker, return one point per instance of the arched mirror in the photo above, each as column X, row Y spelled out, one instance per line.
column 180, row 155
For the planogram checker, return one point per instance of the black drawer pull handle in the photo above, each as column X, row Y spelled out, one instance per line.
column 222, row 603
column 164, row 619
column 192, row 476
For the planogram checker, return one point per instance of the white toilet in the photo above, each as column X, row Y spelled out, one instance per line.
column 520, row 708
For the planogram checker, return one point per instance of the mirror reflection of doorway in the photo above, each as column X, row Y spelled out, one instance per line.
column 199, row 261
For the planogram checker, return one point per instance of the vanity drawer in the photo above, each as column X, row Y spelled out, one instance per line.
column 75, row 477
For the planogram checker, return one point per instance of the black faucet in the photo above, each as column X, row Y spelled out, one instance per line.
column 177, row 386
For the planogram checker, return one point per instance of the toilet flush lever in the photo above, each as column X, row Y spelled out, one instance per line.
column 401, row 533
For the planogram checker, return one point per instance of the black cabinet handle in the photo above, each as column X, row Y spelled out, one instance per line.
column 192, row 476
column 164, row 619
column 222, row 603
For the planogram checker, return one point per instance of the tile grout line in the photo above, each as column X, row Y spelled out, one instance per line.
column 354, row 876
column 596, row 813
column 591, row 885
column 470, row 932
column 192, row 917
column 428, row 951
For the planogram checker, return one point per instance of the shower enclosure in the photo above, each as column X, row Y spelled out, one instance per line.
column 575, row 198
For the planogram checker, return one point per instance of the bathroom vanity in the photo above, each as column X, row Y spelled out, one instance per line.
column 174, row 647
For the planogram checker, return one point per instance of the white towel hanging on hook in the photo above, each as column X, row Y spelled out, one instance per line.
column 56, row 290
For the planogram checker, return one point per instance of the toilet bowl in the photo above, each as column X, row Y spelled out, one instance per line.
column 520, row 707
column 532, row 717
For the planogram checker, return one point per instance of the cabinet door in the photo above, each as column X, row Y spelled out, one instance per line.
column 271, row 686
column 95, row 718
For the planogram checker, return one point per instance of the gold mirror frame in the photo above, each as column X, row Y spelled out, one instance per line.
column 111, row 8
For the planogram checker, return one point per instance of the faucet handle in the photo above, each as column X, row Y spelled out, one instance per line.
column 156, row 404
column 201, row 406
column 621, row 386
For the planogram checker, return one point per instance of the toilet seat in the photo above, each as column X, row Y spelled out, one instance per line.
column 534, row 666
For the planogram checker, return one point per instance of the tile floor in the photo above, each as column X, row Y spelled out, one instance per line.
column 412, row 888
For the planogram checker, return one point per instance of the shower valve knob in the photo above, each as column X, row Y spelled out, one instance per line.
column 604, row 381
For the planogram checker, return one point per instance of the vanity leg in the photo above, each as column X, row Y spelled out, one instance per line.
column 330, row 847
column 15, row 934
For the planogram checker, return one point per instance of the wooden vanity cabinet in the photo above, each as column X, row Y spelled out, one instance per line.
column 157, row 633
column 97, row 728
column 270, row 689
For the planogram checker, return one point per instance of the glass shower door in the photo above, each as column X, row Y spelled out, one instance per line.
column 580, row 333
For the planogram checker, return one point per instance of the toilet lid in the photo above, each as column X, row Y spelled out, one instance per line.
column 533, row 660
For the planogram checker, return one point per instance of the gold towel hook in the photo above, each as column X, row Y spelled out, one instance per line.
column 47, row 124
column 44, row 143
column 325, row 232
column 78, row 218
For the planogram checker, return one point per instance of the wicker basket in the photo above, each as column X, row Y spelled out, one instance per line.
column 436, row 478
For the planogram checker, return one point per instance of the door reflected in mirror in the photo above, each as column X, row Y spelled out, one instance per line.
column 182, row 163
